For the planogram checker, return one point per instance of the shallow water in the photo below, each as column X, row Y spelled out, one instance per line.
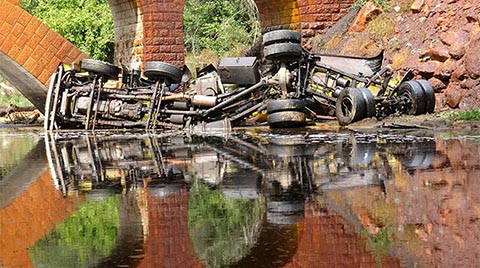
column 259, row 200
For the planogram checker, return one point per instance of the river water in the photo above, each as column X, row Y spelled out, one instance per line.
column 250, row 199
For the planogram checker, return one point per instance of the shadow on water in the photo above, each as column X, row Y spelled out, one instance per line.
column 257, row 200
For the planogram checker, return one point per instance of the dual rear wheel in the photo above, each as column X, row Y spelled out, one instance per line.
column 282, row 45
column 354, row 104
column 284, row 113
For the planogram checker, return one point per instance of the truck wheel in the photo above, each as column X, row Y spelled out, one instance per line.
column 369, row 101
column 429, row 95
column 156, row 70
column 281, row 36
column 286, row 119
column 413, row 92
column 350, row 106
column 100, row 67
column 274, row 106
column 284, row 51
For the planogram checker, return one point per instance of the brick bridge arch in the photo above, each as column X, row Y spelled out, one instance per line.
column 30, row 51
column 145, row 30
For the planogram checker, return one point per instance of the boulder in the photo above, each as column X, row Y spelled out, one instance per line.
column 454, row 94
column 417, row 5
column 427, row 68
column 439, row 53
column 445, row 69
column 367, row 13
column 472, row 58
column 437, row 84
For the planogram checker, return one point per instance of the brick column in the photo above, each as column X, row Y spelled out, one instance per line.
column 127, row 20
column 163, row 31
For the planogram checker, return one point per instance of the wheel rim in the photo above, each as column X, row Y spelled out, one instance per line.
column 347, row 107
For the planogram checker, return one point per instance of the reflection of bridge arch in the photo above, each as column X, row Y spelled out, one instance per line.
column 31, row 183
column 324, row 237
column 36, row 221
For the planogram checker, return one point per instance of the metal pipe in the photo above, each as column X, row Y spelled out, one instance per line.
column 235, row 98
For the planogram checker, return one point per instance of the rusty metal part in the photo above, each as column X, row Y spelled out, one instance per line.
column 235, row 98
column 205, row 101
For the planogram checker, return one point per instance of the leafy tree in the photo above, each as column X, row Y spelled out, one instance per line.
column 88, row 24
column 219, row 25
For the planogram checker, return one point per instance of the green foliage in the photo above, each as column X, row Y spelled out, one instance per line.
column 8, row 95
column 379, row 244
column 222, row 229
column 85, row 238
column 472, row 114
column 88, row 24
column 16, row 99
column 219, row 25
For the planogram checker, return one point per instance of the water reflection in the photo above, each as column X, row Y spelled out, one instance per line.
column 257, row 200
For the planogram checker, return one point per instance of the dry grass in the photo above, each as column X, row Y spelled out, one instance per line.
column 381, row 26
column 197, row 62
column 333, row 42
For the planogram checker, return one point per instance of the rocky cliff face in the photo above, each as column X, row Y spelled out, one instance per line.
column 438, row 39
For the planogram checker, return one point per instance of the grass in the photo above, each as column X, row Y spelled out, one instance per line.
column 17, row 99
column 208, row 56
column 472, row 114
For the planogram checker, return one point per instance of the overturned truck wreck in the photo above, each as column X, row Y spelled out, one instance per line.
column 291, row 88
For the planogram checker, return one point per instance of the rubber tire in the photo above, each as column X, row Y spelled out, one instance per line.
column 281, row 36
column 100, row 67
column 155, row 70
column 284, row 51
column 286, row 119
column 356, row 106
column 371, row 109
column 415, row 93
column 429, row 95
column 281, row 105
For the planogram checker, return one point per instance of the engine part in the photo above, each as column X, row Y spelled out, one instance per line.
column 111, row 108
column 241, row 71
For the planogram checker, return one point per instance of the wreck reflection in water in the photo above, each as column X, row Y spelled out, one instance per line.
column 267, row 200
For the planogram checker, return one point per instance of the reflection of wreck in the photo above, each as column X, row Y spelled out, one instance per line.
column 288, row 169
column 292, row 180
